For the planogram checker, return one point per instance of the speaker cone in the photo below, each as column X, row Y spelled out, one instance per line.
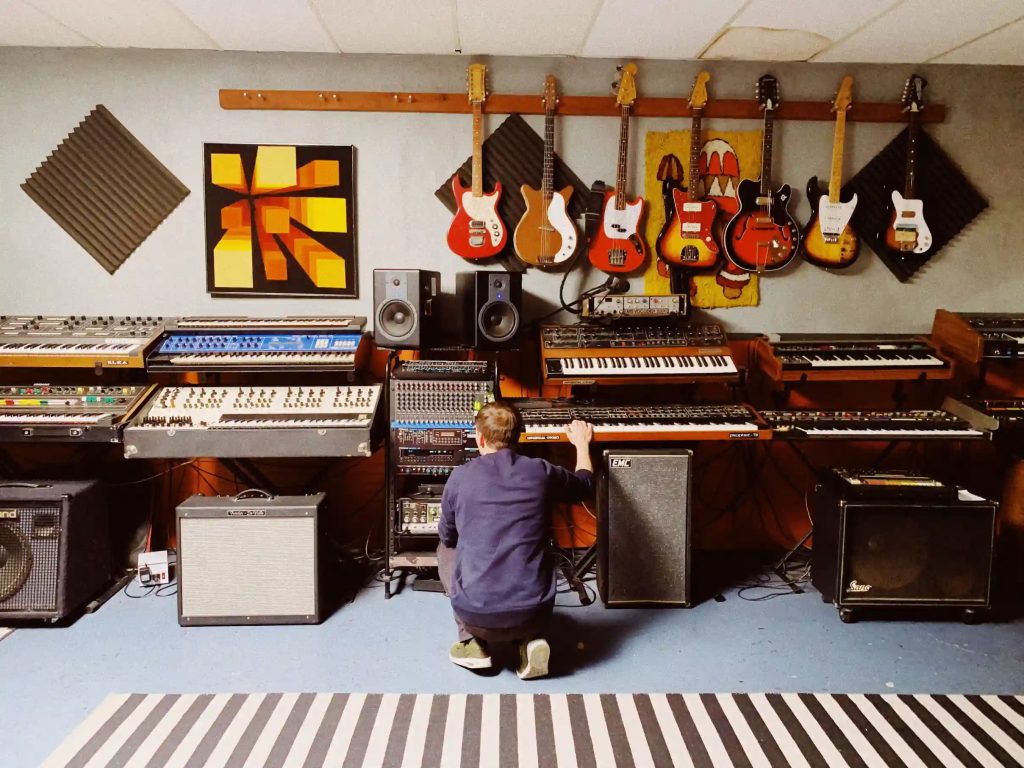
column 396, row 319
column 15, row 560
column 887, row 552
column 498, row 321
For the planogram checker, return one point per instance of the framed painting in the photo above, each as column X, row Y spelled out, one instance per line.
column 280, row 220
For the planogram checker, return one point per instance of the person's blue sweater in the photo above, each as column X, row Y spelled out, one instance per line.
column 496, row 513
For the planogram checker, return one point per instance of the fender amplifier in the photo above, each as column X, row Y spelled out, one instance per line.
column 248, row 559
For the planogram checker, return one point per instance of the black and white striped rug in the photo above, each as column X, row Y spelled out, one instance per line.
column 567, row 730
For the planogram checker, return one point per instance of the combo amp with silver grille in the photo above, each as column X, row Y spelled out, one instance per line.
column 248, row 559
column 54, row 547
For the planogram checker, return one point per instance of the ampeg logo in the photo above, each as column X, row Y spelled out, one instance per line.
column 8, row 514
column 622, row 463
column 855, row 586
column 247, row 513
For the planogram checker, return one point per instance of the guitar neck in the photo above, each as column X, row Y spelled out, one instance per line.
column 620, row 173
column 911, row 181
column 695, row 145
column 835, row 180
column 548, row 180
column 766, row 151
column 478, row 154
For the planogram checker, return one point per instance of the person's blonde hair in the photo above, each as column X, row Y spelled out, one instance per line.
column 499, row 424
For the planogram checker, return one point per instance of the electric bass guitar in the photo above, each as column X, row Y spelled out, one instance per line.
column 546, row 236
column 477, row 230
column 688, row 241
column 617, row 246
column 762, row 236
column 829, row 241
column 906, row 229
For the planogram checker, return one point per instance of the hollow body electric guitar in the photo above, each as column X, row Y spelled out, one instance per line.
column 762, row 236
column 829, row 241
column 546, row 236
column 618, row 246
column 687, row 240
column 477, row 230
column 906, row 229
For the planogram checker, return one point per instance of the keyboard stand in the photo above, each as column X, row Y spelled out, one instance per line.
column 575, row 570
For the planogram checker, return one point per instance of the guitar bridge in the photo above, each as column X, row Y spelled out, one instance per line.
column 617, row 257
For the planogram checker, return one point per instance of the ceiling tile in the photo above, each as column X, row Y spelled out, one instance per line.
column 534, row 28
column 918, row 30
column 1004, row 46
column 390, row 26
column 22, row 24
column 127, row 23
column 833, row 20
column 242, row 25
column 763, row 44
column 657, row 29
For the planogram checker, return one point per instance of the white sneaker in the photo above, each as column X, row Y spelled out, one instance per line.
column 533, row 659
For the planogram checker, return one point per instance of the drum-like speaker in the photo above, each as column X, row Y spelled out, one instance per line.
column 491, row 308
column 404, row 315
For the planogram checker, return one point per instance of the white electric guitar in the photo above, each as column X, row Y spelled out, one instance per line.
column 906, row 229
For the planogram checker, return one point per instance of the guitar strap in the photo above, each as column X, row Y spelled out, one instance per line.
column 592, row 215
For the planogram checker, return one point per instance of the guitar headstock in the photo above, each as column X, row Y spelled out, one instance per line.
column 476, row 82
column 699, row 93
column 625, row 86
column 913, row 94
column 550, row 94
column 844, row 96
column 767, row 92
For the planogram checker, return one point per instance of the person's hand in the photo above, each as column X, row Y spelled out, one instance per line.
column 580, row 433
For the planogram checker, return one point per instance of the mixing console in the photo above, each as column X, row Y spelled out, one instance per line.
column 76, row 341
column 255, row 421
column 431, row 393
column 869, row 425
column 973, row 336
column 58, row 412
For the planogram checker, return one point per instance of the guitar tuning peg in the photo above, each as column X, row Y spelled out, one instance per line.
column 618, row 67
column 615, row 85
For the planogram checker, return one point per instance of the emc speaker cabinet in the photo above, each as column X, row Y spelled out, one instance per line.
column 643, row 527
column 902, row 552
column 405, row 316
column 54, row 547
column 491, row 308
column 244, row 560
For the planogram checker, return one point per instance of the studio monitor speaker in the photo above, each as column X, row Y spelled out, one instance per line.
column 244, row 560
column 491, row 308
column 54, row 547
column 643, row 527
column 404, row 307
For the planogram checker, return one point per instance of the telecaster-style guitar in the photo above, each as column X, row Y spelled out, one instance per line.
column 618, row 245
column 691, row 243
column 762, row 236
column 829, row 241
column 546, row 236
column 906, row 229
column 477, row 230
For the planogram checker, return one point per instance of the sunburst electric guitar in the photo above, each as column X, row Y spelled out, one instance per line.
column 546, row 236
column 829, row 241
column 906, row 229
column 618, row 246
column 477, row 230
column 762, row 236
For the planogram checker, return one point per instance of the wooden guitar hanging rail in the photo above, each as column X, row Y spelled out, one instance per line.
column 596, row 106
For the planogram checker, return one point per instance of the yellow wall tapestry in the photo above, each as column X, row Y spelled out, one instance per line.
column 726, row 157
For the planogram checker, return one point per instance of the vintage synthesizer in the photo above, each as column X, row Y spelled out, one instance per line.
column 840, row 358
column 869, row 425
column 77, row 341
column 1006, row 415
column 545, row 421
column 62, row 413
column 632, row 352
column 237, row 422
column 261, row 344
column 975, row 336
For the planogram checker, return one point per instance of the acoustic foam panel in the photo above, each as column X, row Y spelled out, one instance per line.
column 105, row 189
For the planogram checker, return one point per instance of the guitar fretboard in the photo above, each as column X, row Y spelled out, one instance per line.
column 478, row 155
column 548, row 181
column 695, row 145
column 766, row 150
column 911, row 183
column 835, row 182
column 620, row 173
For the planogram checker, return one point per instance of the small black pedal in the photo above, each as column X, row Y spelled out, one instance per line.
column 427, row 585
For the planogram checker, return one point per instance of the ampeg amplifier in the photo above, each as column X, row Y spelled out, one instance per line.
column 248, row 559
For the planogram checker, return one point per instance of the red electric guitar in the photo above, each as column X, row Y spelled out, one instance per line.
column 477, row 230
column 618, row 246
column 762, row 236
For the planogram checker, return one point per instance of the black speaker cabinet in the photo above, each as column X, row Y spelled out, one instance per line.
column 405, row 315
column 54, row 547
column 643, row 527
column 900, row 551
column 491, row 308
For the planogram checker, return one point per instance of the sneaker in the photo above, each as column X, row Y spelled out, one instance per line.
column 533, row 659
column 471, row 654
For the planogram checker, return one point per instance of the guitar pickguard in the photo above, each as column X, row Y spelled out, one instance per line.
column 833, row 217
column 911, row 232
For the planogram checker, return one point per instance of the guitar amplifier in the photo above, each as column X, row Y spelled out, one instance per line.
column 248, row 559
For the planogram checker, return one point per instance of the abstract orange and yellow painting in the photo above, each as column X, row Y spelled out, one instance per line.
column 280, row 220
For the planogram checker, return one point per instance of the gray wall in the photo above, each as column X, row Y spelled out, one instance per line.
column 169, row 100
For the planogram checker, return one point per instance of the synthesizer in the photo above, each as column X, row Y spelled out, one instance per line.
column 869, row 425
column 77, row 341
column 268, row 422
column 976, row 336
column 1005, row 415
column 62, row 413
column 840, row 358
column 635, row 352
column 261, row 344
column 545, row 421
